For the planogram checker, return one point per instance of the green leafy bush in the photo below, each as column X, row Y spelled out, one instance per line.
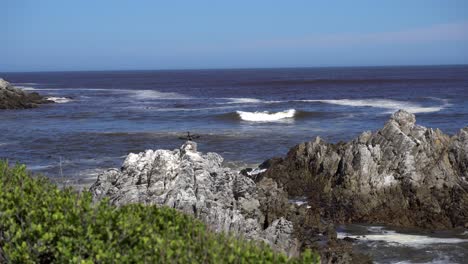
column 40, row 223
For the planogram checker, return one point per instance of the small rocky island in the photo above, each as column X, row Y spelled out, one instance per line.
column 15, row 98
column 403, row 174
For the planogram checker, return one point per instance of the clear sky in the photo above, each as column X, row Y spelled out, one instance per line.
column 43, row 35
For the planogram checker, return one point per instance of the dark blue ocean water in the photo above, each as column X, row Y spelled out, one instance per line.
column 114, row 113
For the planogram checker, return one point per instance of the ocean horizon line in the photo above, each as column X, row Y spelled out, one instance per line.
column 244, row 68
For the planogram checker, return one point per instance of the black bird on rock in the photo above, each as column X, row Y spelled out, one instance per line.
column 189, row 136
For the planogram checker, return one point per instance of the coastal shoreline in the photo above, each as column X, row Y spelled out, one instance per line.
column 142, row 176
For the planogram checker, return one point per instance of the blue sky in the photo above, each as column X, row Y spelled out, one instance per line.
column 53, row 35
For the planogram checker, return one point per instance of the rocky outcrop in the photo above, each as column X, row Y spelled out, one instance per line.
column 227, row 201
column 195, row 184
column 15, row 98
column 403, row 174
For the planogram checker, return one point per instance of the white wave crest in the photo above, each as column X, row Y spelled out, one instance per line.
column 404, row 239
column 244, row 101
column 26, row 88
column 392, row 105
column 25, row 83
column 266, row 116
column 59, row 100
column 248, row 101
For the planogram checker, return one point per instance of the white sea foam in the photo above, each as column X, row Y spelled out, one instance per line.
column 255, row 171
column 248, row 101
column 299, row 200
column 26, row 88
column 138, row 94
column 39, row 167
column 266, row 116
column 393, row 237
column 25, row 84
column 153, row 94
column 243, row 101
column 11, row 142
column 392, row 105
column 59, row 100
column 375, row 229
column 142, row 94
column 174, row 109
column 441, row 259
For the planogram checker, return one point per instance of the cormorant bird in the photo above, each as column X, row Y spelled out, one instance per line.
column 189, row 136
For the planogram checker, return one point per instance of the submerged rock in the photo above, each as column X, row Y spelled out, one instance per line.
column 404, row 174
column 15, row 98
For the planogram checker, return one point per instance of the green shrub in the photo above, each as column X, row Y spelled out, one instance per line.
column 40, row 223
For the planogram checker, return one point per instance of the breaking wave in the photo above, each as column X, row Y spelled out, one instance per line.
column 266, row 116
column 391, row 105
column 59, row 100
column 392, row 237
column 243, row 101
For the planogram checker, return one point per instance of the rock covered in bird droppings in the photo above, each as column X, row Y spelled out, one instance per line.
column 196, row 184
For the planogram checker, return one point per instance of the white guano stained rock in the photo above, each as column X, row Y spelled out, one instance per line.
column 196, row 184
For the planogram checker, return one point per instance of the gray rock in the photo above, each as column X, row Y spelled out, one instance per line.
column 196, row 184
column 279, row 235
column 15, row 98
column 403, row 174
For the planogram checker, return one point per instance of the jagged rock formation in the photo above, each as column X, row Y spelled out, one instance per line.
column 15, row 98
column 403, row 174
column 196, row 184
column 225, row 200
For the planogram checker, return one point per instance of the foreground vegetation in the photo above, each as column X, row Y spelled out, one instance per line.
column 40, row 223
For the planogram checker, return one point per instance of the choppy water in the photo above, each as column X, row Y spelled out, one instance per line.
column 245, row 115
column 399, row 245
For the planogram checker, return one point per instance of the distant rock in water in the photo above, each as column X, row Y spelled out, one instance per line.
column 225, row 200
column 403, row 174
column 15, row 98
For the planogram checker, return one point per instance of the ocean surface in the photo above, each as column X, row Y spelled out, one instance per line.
column 247, row 115
column 405, row 245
